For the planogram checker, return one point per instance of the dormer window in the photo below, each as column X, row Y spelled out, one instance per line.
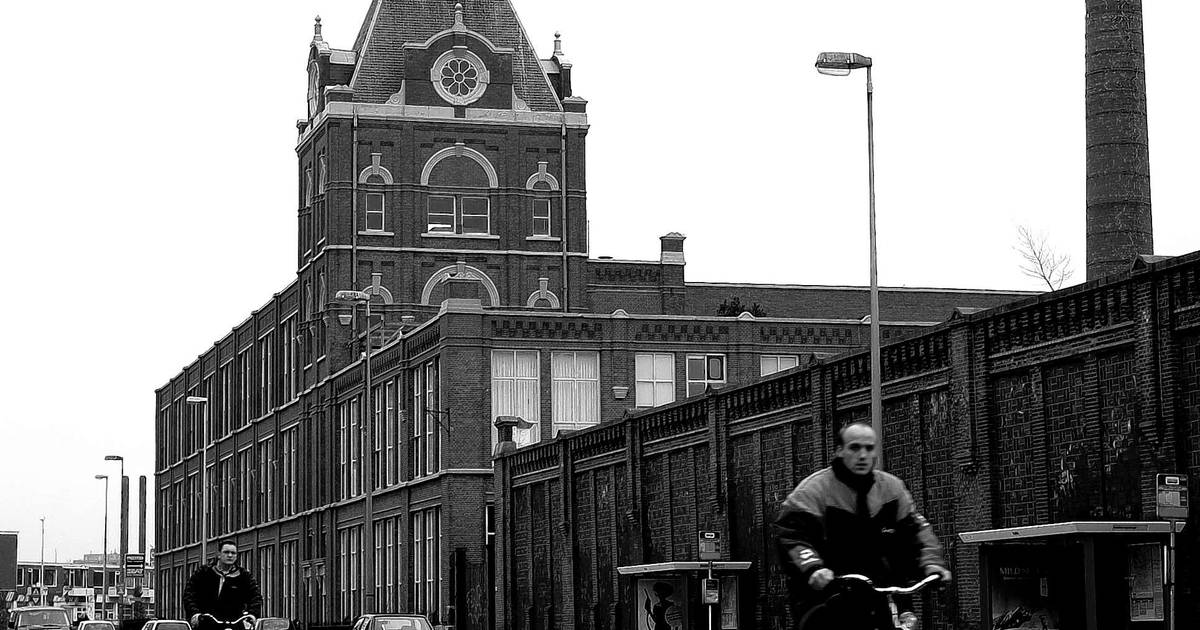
column 459, row 76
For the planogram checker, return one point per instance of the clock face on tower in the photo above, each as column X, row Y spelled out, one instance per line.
column 459, row 76
column 314, row 82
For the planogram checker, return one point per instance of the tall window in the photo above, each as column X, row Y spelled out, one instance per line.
column 245, row 386
column 265, row 372
column 266, row 480
column 288, row 582
column 266, row 577
column 575, row 389
column 515, row 386
column 348, row 569
column 385, row 564
column 375, row 212
column 426, row 410
column 322, row 173
column 287, row 358
column 772, row 363
column 541, row 217
column 426, row 577
column 704, row 370
column 287, row 453
column 308, row 186
column 356, row 444
column 654, row 379
column 389, row 420
column 458, row 214
column 226, row 409
column 379, row 429
column 245, row 487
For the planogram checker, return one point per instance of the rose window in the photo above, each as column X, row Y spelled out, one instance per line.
column 459, row 77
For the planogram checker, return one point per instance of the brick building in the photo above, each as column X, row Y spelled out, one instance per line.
column 1052, row 409
column 441, row 170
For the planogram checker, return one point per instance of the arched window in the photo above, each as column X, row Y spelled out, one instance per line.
column 460, row 182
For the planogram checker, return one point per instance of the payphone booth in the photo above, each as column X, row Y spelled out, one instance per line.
column 673, row 595
column 1079, row 575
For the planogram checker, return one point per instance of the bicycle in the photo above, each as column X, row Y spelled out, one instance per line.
column 855, row 603
column 209, row 622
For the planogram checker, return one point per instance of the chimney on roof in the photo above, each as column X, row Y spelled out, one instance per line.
column 672, row 248
column 1119, row 225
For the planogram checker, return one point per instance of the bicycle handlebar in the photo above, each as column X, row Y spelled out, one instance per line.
column 244, row 617
column 892, row 590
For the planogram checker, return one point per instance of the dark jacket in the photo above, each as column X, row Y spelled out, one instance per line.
column 865, row 524
column 224, row 596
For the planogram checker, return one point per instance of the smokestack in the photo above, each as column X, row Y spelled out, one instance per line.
column 124, row 516
column 142, row 514
column 1119, row 224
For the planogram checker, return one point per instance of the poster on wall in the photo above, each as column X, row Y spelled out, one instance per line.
column 729, row 603
column 1146, row 600
column 1021, row 597
column 661, row 604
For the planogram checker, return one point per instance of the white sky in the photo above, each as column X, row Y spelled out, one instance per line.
column 149, row 176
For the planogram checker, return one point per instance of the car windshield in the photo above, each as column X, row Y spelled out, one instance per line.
column 401, row 623
column 43, row 618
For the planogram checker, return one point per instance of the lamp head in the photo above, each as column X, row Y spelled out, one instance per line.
column 102, row 476
column 196, row 400
column 839, row 64
column 113, row 458
column 352, row 296
column 345, row 318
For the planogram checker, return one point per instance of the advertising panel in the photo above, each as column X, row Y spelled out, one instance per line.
column 8, row 561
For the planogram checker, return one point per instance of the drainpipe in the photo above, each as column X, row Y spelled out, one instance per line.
column 354, row 199
column 562, row 189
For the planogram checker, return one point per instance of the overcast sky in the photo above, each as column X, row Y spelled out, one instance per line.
column 149, row 176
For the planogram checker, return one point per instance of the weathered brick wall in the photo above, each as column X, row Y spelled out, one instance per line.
column 1058, row 408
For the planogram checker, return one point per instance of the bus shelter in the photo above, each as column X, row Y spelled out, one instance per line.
column 669, row 594
column 1078, row 575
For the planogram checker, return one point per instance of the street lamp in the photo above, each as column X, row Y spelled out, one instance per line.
column 841, row 64
column 203, row 401
column 124, row 515
column 354, row 298
column 104, row 552
column 42, row 567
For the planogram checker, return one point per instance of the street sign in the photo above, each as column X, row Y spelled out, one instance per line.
column 135, row 565
column 1171, row 500
column 712, row 591
column 710, row 545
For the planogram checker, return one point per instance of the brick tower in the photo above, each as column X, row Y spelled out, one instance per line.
column 1118, row 155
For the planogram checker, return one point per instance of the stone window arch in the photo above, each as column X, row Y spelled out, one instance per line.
column 375, row 171
column 460, row 270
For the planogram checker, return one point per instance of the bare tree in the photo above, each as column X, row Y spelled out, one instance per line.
column 1042, row 262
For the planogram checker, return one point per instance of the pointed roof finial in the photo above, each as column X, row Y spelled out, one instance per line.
column 458, row 23
column 317, row 29
column 557, row 44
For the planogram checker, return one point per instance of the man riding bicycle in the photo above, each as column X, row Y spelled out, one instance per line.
column 222, row 589
column 851, row 518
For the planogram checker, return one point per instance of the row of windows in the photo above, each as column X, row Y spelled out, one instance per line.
column 391, row 549
column 457, row 214
column 72, row 577
column 575, row 385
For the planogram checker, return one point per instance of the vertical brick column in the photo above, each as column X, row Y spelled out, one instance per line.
column 973, row 498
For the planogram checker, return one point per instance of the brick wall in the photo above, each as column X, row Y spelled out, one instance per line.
column 1062, row 407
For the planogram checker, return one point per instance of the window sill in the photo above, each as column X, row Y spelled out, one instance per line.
column 375, row 233
column 486, row 237
column 549, row 239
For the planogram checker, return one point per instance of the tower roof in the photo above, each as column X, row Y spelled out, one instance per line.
column 390, row 24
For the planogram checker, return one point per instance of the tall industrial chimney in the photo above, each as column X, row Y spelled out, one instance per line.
column 1118, row 152
column 142, row 514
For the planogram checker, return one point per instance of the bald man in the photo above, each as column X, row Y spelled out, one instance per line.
column 851, row 518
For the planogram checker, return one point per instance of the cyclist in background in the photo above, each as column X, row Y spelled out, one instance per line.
column 222, row 588
column 851, row 518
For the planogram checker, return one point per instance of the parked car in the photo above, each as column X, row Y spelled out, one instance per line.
column 166, row 624
column 392, row 621
column 39, row 618
column 96, row 624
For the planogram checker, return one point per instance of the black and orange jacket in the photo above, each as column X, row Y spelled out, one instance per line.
column 865, row 524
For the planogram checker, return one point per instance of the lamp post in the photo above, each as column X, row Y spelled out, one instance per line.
column 354, row 298
column 841, row 64
column 104, row 552
column 203, row 402
column 42, row 567
column 124, row 515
